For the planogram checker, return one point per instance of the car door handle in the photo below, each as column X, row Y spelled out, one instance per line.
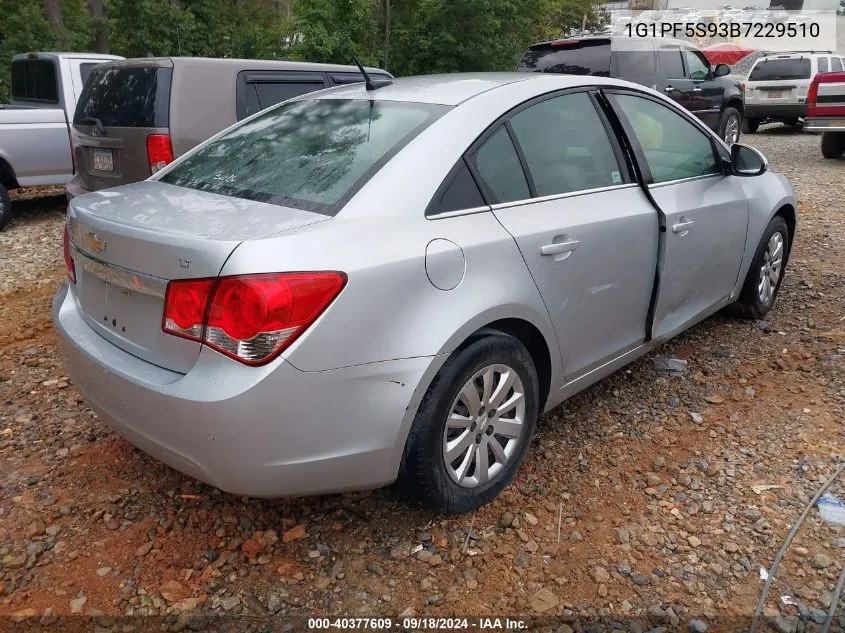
column 697, row 90
column 670, row 89
column 557, row 248
column 683, row 226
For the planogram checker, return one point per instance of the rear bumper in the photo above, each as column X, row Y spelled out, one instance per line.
column 831, row 124
column 265, row 432
column 775, row 111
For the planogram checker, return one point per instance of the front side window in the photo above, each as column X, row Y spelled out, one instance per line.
column 565, row 145
column 311, row 154
column 498, row 165
column 697, row 69
column 674, row 148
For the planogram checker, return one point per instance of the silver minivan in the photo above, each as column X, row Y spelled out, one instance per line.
column 136, row 116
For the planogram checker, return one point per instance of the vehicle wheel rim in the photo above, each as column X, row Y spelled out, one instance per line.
column 771, row 269
column 485, row 426
column 732, row 131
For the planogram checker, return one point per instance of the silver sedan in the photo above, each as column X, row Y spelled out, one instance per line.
column 372, row 284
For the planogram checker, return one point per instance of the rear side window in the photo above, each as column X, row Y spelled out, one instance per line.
column 565, row 145
column 312, row 154
column 122, row 96
column 259, row 90
column 498, row 165
column 458, row 192
column 34, row 80
column 568, row 57
column 822, row 61
column 672, row 62
column 780, row 69
column 835, row 64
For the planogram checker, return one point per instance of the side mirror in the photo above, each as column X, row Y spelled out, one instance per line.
column 721, row 70
column 747, row 161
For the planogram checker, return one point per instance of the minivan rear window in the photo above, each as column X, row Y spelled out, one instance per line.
column 34, row 80
column 778, row 69
column 312, row 154
column 568, row 57
column 122, row 96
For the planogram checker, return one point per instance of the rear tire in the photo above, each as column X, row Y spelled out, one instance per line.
column 462, row 485
column 5, row 207
column 749, row 126
column 833, row 144
column 758, row 294
column 730, row 125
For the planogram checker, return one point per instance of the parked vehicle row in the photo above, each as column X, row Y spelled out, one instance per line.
column 778, row 85
column 368, row 284
column 35, row 146
column 98, row 121
column 826, row 112
column 675, row 67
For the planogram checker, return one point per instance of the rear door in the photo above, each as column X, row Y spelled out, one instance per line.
column 705, row 212
column 121, row 105
column 560, row 186
column 676, row 85
column 258, row 90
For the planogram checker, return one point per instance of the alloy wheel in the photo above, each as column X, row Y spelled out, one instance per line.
column 485, row 426
column 771, row 268
column 732, row 130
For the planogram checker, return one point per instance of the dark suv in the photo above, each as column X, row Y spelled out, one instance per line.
column 675, row 67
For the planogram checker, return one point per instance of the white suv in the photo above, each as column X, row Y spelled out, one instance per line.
column 776, row 88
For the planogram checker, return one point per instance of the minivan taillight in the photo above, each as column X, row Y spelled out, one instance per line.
column 159, row 151
column 251, row 318
column 69, row 265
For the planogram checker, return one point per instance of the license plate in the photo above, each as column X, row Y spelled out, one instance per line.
column 103, row 160
column 775, row 94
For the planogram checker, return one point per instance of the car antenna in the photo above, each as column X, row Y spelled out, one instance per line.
column 368, row 81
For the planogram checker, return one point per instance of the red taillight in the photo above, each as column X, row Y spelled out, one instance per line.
column 560, row 43
column 159, row 151
column 251, row 318
column 69, row 265
column 813, row 92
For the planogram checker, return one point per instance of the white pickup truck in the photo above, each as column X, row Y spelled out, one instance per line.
column 826, row 112
column 35, row 144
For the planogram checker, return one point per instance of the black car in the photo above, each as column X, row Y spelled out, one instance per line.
column 675, row 67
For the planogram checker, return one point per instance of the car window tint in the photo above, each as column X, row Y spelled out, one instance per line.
column 311, row 154
column 674, row 148
column 260, row 95
column 670, row 60
column 565, row 145
column 460, row 193
column 822, row 62
column 697, row 69
column 570, row 57
column 500, row 170
column 84, row 71
column 781, row 69
column 835, row 64
column 34, row 80
column 123, row 96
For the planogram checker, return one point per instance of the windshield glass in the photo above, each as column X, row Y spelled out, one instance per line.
column 777, row 69
column 310, row 154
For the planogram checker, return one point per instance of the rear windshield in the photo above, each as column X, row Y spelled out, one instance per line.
column 125, row 97
column 775, row 69
column 311, row 154
column 569, row 58
column 34, row 80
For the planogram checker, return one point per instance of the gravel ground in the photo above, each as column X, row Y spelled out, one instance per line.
column 650, row 499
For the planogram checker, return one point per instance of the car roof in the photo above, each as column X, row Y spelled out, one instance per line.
column 455, row 88
column 247, row 64
column 57, row 55
column 608, row 40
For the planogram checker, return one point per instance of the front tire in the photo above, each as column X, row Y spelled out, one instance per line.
column 833, row 144
column 749, row 126
column 473, row 426
column 5, row 207
column 766, row 273
column 730, row 124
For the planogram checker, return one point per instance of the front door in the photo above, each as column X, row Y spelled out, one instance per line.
column 707, row 92
column 676, row 85
column 705, row 211
column 588, row 235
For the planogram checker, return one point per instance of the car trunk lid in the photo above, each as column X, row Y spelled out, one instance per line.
column 128, row 242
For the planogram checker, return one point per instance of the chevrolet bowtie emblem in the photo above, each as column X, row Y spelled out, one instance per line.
column 93, row 244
